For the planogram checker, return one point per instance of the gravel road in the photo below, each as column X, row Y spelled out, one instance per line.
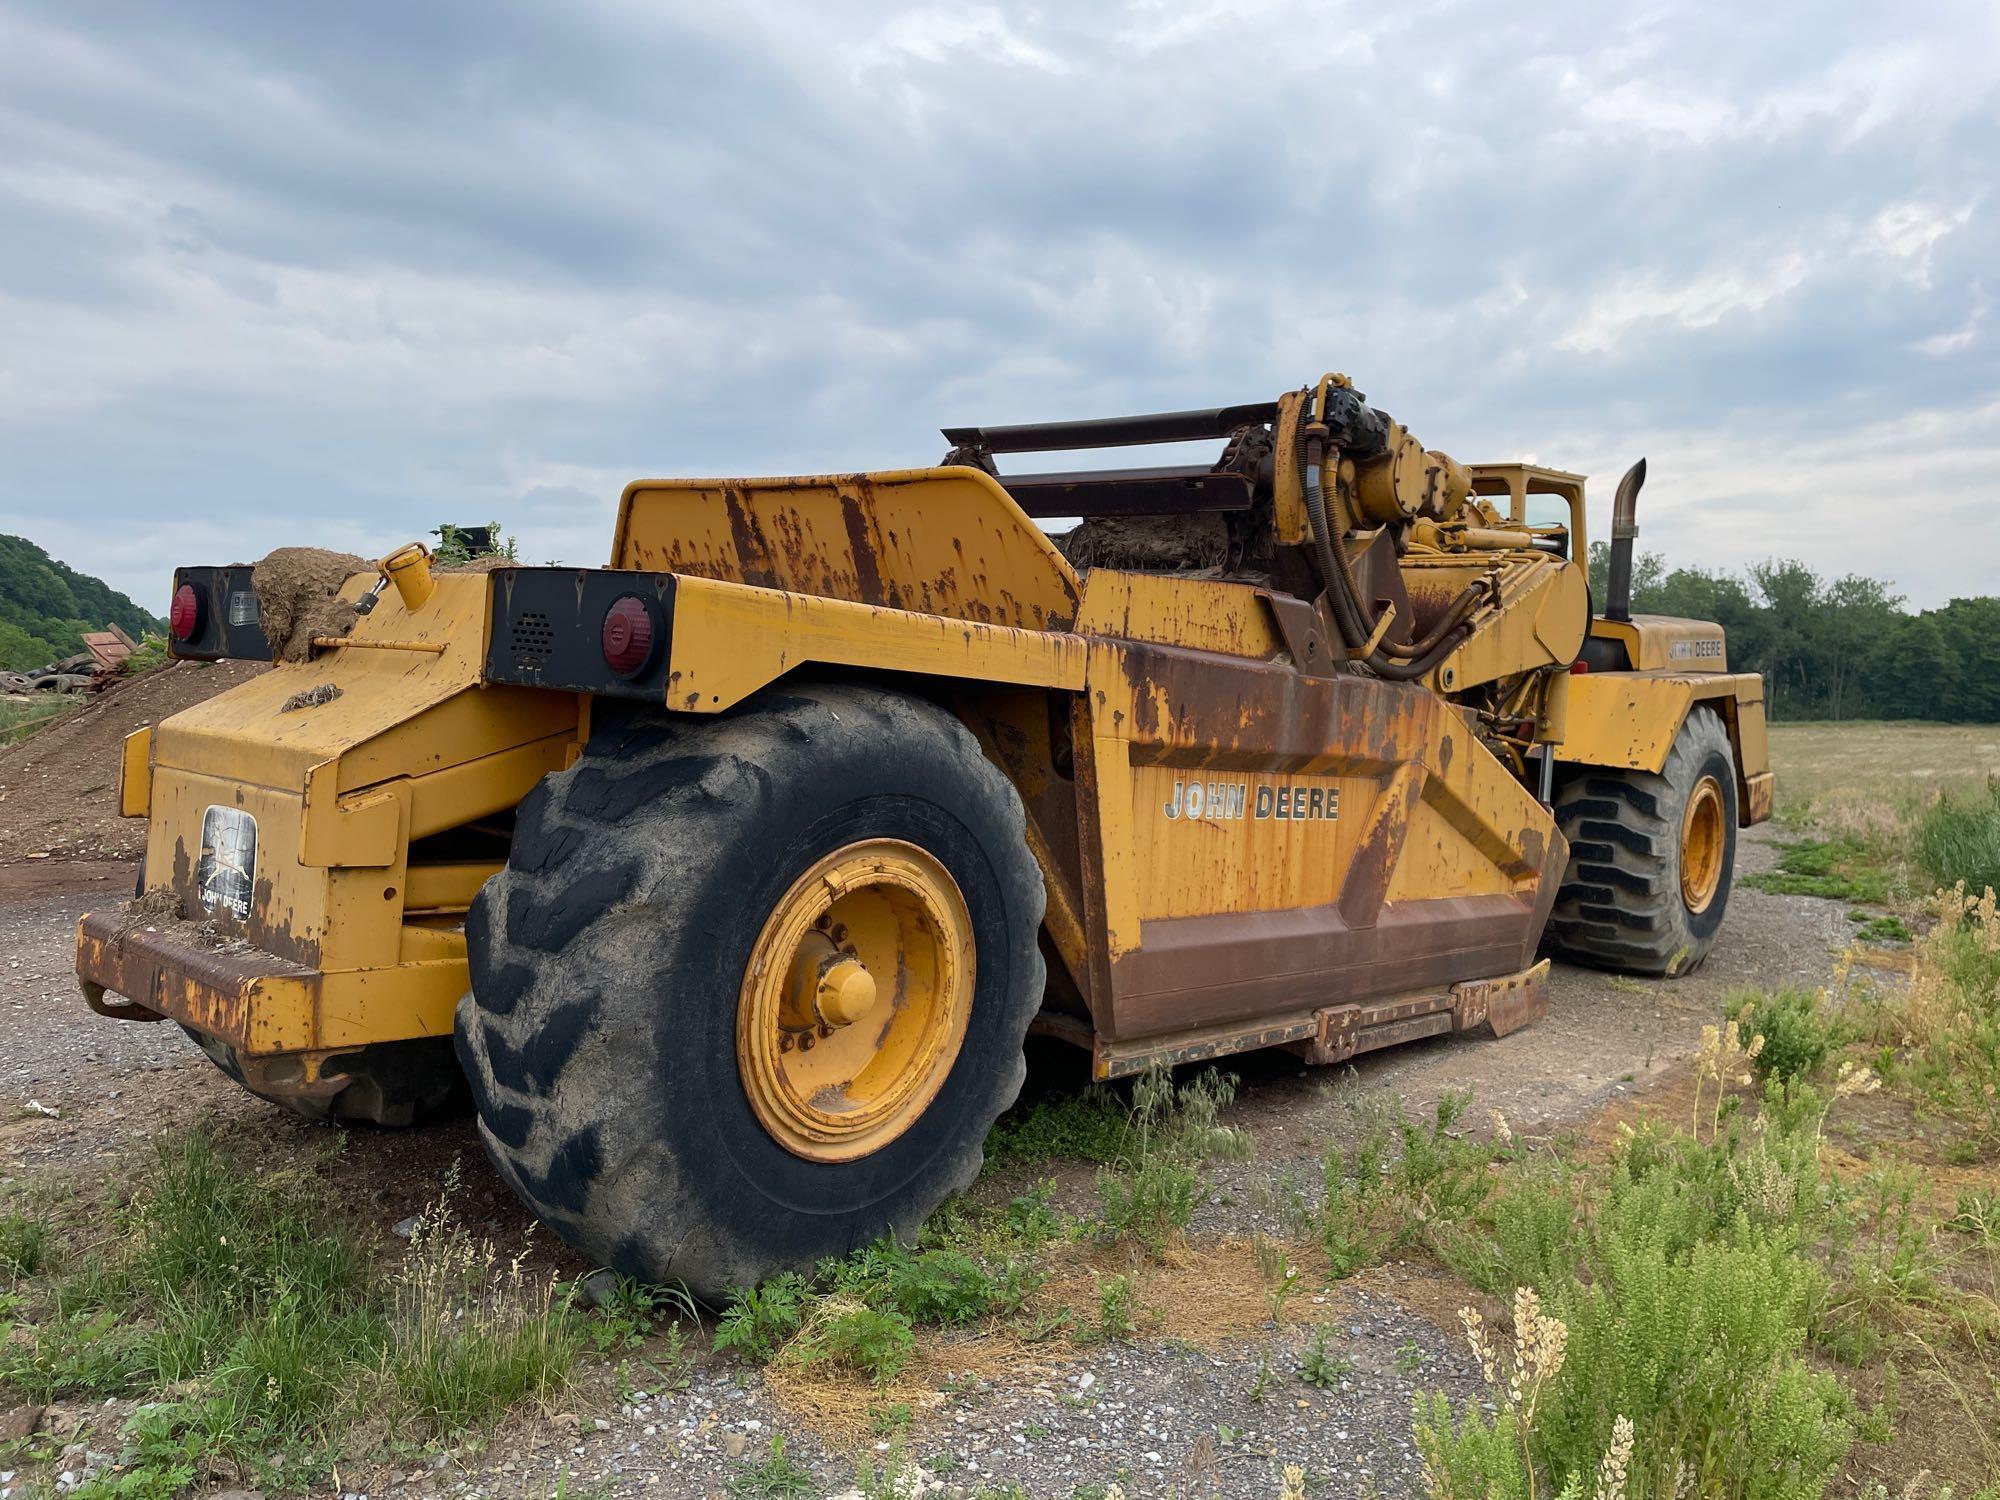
column 1159, row 1416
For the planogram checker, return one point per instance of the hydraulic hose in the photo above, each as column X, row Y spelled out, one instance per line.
column 1343, row 595
column 1340, row 596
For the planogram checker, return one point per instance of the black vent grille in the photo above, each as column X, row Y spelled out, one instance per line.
column 532, row 637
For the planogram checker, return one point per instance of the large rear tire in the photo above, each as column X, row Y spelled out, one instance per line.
column 1651, row 857
column 752, row 990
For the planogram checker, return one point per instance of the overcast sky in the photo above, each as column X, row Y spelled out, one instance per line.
column 334, row 273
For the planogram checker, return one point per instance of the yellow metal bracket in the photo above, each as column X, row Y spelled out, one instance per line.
column 135, row 774
column 1367, row 648
column 363, row 830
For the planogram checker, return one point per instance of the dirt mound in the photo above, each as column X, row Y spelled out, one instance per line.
column 295, row 595
column 59, row 787
column 1152, row 544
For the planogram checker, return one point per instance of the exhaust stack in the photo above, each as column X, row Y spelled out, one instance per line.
column 1624, row 532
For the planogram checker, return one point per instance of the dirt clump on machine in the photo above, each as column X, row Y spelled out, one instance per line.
column 1171, row 544
column 298, row 597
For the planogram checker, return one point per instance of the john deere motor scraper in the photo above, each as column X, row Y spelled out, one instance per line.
column 730, row 877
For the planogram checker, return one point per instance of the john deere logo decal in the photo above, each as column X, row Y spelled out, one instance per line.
column 228, row 867
column 1230, row 801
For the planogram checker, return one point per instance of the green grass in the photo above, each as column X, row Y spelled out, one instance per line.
column 1841, row 868
column 1872, row 927
column 1685, row 1297
column 1148, row 1192
column 1957, row 839
column 1800, row 1032
column 1091, row 1126
column 239, row 1303
column 775, row 1476
column 980, row 1263
column 1944, row 1046
column 18, row 720
column 149, row 657
column 1319, row 1366
column 847, row 1333
column 238, row 1291
column 24, row 1245
column 1406, row 1180
column 1117, row 1308
column 1710, row 1284
column 472, row 1333
column 1861, row 777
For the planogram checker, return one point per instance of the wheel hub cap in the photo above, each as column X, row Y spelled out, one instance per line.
column 855, row 1000
column 1703, row 837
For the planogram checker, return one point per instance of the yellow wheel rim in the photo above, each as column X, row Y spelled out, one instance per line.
column 1703, row 836
column 855, row 1000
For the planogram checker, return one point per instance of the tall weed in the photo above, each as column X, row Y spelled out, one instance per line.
column 472, row 1332
column 1799, row 1030
column 1150, row 1192
column 1425, row 1191
column 1945, row 1036
column 1957, row 841
column 1684, row 1295
column 24, row 1245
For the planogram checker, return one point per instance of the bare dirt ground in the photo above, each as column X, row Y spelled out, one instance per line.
column 58, row 788
column 1198, row 1406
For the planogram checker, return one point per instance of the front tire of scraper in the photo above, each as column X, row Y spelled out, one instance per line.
column 609, row 963
column 1637, row 896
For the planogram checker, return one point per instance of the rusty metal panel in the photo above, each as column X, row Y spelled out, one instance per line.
column 1122, row 1059
column 1502, row 1004
column 730, row 639
column 1350, row 837
column 1198, row 614
column 248, row 999
column 265, row 1005
column 930, row 541
column 109, row 648
column 1026, row 734
column 1629, row 720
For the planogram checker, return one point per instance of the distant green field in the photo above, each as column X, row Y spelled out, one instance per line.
column 1865, row 771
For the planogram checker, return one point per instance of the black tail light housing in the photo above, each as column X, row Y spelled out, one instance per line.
column 215, row 617
column 582, row 630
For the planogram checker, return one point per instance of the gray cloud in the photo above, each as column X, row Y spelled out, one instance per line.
column 337, row 273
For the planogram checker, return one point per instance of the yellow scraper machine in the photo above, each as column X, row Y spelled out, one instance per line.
column 727, row 880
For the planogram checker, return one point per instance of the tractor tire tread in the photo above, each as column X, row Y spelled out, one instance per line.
column 644, row 849
column 1620, row 904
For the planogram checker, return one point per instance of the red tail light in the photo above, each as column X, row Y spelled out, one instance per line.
column 628, row 636
column 1578, row 667
column 184, row 615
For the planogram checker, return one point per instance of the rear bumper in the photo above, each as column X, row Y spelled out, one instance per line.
column 256, row 1003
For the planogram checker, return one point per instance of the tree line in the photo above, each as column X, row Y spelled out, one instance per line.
column 46, row 605
column 1841, row 648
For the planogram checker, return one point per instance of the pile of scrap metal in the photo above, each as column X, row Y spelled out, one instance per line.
column 94, row 667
